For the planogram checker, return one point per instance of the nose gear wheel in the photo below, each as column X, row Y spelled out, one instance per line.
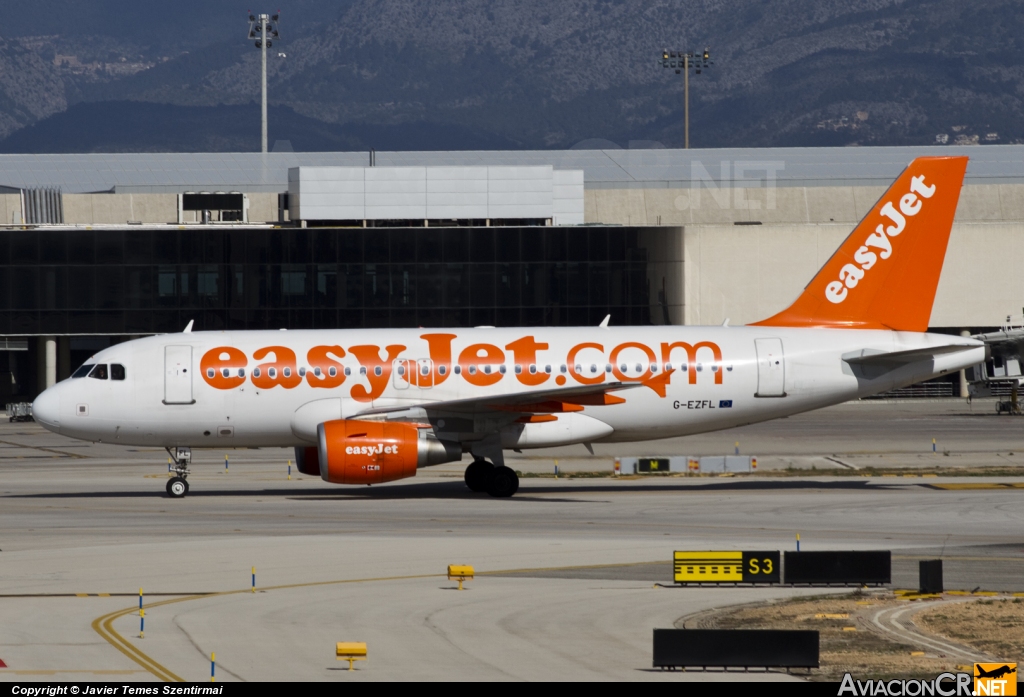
column 177, row 487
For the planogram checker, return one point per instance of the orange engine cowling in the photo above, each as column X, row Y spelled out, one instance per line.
column 372, row 452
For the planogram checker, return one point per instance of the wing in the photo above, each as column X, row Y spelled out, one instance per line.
column 562, row 399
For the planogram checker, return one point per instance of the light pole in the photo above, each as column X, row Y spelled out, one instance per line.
column 262, row 29
column 681, row 62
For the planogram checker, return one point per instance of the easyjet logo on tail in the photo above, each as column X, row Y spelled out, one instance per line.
column 879, row 243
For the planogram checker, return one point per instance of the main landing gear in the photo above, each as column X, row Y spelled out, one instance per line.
column 177, row 486
column 500, row 482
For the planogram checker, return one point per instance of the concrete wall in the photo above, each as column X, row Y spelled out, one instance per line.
column 10, row 209
column 747, row 273
column 653, row 206
column 840, row 204
column 263, row 208
column 98, row 209
column 665, row 273
column 90, row 209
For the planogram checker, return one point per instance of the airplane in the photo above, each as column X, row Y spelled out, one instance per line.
column 995, row 672
column 366, row 406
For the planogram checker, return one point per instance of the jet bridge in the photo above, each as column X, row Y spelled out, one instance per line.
column 1001, row 374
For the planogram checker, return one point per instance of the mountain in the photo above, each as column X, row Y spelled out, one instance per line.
column 523, row 74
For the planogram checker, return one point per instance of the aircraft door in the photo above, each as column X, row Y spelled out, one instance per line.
column 409, row 371
column 178, row 375
column 771, row 368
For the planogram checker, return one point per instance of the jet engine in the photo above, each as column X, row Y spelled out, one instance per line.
column 372, row 452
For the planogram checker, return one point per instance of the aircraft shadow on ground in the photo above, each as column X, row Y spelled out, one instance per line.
column 457, row 490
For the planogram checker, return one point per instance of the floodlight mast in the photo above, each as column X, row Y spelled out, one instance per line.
column 261, row 29
column 680, row 62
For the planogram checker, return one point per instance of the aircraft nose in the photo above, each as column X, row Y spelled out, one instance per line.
column 46, row 409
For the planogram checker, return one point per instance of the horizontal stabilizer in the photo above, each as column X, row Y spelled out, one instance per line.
column 869, row 357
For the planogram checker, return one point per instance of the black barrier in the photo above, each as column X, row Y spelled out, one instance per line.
column 930, row 576
column 840, row 568
column 735, row 648
column 213, row 202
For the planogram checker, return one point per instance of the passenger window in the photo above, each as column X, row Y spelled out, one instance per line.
column 83, row 371
column 99, row 372
column 117, row 371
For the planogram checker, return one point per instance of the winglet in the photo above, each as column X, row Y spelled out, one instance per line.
column 188, row 327
column 885, row 273
column 604, row 322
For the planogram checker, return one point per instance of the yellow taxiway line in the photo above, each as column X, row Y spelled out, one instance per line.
column 104, row 626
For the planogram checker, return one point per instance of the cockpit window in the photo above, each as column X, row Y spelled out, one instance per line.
column 99, row 372
column 83, row 371
column 116, row 371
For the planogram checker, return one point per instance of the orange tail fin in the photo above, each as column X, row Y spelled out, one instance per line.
column 885, row 273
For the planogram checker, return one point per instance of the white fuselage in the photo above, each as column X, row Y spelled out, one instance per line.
column 732, row 376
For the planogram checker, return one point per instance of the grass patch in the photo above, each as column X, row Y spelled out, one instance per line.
column 867, row 655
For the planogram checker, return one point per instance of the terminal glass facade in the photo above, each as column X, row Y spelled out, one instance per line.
column 123, row 281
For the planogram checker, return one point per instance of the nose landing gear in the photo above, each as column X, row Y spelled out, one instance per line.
column 500, row 482
column 177, row 486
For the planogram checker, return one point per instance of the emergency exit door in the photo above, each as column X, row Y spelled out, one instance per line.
column 771, row 368
column 178, row 375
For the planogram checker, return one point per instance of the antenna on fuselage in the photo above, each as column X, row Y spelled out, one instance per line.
column 188, row 327
column 604, row 322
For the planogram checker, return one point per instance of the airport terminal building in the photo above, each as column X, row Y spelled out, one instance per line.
column 100, row 248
